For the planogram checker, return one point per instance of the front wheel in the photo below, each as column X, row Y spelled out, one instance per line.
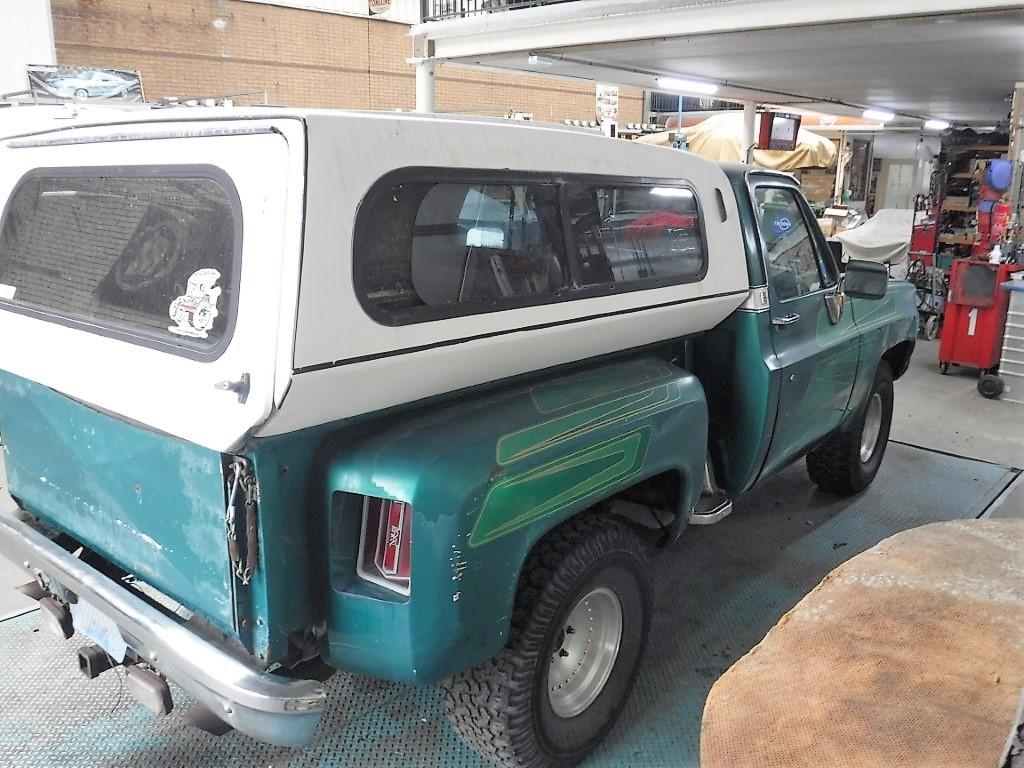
column 578, row 631
column 848, row 461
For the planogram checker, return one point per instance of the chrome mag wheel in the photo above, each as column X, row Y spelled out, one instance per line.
column 872, row 428
column 587, row 647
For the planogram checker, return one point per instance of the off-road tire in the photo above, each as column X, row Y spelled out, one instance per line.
column 836, row 466
column 501, row 708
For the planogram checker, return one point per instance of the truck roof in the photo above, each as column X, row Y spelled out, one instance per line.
column 17, row 120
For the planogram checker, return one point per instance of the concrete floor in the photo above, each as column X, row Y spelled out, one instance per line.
column 718, row 590
column 11, row 602
column 942, row 413
column 946, row 413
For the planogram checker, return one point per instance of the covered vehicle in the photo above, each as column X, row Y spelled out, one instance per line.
column 884, row 238
column 720, row 138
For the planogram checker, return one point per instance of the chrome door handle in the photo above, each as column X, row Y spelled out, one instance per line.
column 785, row 319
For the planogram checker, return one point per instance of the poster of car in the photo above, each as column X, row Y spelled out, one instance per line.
column 85, row 83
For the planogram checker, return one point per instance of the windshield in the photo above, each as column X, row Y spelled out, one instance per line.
column 147, row 254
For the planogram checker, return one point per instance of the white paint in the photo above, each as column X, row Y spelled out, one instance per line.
column 749, row 127
column 405, row 11
column 348, row 152
column 972, row 321
column 426, row 86
column 603, row 21
column 7, row 291
column 26, row 37
column 868, row 53
column 155, row 388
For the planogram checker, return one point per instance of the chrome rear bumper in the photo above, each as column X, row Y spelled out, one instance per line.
column 267, row 707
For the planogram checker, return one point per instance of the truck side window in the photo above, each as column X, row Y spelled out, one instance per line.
column 626, row 234
column 435, row 245
column 791, row 262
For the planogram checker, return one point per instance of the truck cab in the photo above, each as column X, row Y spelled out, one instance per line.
column 400, row 399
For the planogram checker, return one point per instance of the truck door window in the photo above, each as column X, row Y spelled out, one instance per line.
column 149, row 254
column 628, row 234
column 793, row 266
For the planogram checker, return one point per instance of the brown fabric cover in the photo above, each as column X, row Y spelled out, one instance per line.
column 910, row 654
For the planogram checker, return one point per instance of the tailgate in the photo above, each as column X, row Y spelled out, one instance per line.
column 152, row 504
column 148, row 276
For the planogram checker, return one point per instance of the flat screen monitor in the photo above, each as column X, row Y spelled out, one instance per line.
column 778, row 131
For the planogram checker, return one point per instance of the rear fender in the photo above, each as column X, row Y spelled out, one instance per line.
column 486, row 478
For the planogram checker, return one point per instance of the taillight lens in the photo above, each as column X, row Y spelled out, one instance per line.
column 386, row 543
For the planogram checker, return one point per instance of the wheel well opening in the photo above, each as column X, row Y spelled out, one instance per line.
column 898, row 357
column 653, row 504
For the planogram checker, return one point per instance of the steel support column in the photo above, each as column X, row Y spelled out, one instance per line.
column 749, row 118
column 426, row 86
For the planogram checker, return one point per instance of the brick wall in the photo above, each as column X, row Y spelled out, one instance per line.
column 301, row 58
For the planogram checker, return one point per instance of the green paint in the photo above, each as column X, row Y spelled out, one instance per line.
column 475, row 520
column 519, row 500
column 151, row 503
column 540, row 437
column 597, row 383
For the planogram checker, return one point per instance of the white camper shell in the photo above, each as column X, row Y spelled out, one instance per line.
column 301, row 300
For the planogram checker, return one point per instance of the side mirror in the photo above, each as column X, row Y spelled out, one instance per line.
column 865, row 279
column 837, row 254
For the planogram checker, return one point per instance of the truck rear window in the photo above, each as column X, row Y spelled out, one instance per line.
column 147, row 254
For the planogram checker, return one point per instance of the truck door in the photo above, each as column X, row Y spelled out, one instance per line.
column 814, row 341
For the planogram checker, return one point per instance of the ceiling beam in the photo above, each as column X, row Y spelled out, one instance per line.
column 607, row 21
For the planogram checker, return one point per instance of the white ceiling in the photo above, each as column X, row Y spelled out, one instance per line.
column 960, row 67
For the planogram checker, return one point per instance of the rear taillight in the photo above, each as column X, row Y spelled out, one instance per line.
column 385, row 544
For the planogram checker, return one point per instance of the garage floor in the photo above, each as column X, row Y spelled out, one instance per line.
column 719, row 590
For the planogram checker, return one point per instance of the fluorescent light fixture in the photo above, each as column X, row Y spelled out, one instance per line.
column 686, row 86
column 880, row 115
column 936, row 125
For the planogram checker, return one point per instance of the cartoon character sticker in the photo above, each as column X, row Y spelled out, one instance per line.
column 195, row 311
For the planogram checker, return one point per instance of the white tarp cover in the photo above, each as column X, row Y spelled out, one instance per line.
column 884, row 238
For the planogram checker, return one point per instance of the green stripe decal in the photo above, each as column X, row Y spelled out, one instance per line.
column 538, row 437
column 517, row 501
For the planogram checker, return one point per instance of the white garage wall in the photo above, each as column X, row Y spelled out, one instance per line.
column 406, row 11
column 26, row 37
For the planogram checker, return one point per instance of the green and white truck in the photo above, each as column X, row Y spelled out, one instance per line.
column 406, row 396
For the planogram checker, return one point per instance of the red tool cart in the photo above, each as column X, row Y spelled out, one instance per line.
column 972, row 333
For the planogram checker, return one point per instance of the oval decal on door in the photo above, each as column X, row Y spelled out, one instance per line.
column 380, row 6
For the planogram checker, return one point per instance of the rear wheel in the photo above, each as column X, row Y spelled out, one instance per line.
column 578, row 631
column 848, row 461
